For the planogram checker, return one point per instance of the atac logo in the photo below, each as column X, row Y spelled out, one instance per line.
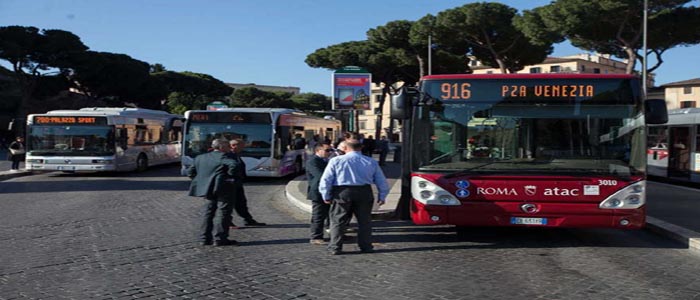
column 530, row 190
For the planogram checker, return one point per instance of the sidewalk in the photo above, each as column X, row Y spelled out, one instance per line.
column 296, row 191
column 5, row 165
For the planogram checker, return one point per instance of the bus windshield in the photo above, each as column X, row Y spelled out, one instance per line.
column 504, row 133
column 71, row 140
column 256, row 136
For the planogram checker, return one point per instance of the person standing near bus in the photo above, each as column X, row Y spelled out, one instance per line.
column 383, row 148
column 319, row 209
column 209, row 173
column 346, row 186
column 16, row 153
column 241, row 202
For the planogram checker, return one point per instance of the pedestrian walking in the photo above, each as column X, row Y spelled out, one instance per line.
column 383, row 149
column 346, row 186
column 16, row 153
column 211, row 174
column 241, row 202
column 368, row 146
column 319, row 209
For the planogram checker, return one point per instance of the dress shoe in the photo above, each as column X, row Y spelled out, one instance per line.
column 367, row 250
column 335, row 252
column 206, row 243
column 226, row 243
column 233, row 226
column 255, row 223
column 317, row 242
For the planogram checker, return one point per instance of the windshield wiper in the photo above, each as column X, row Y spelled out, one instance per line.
column 466, row 171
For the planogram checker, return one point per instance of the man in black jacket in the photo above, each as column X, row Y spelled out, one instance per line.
column 210, row 173
column 241, row 202
column 319, row 213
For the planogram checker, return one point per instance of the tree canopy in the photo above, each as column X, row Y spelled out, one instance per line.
column 615, row 27
column 488, row 32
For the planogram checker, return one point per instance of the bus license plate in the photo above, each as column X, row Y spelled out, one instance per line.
column 528, row 221
column 62, row 168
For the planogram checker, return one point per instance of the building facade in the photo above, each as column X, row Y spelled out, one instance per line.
column 682, row 94
column 581, row 63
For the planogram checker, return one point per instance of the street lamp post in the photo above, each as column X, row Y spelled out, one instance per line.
column 430, row 54
column 644, row 50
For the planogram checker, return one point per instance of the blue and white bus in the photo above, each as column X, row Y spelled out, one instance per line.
column 102, row 139
column 269, row 134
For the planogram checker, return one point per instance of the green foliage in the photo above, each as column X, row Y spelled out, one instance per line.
column 104, row 75
column 487, row 31
column 615, row 27
column 310, row 102
column 156, row 68
column 32, row 52
column 253, row 97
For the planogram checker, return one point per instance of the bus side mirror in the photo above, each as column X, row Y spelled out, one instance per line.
column 402, row 103
column 655, row 111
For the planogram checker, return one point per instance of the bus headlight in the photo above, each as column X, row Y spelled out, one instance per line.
column 35, row 161
column 429, row 193
column 630, row 197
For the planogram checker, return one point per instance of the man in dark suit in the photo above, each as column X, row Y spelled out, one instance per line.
column 210, row 173
column 319, row 213
column 241, row 202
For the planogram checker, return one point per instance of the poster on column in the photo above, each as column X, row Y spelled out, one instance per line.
column 351, row 88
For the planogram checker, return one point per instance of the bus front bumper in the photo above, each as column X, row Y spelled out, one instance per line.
column 577, row 215
column 70, row 168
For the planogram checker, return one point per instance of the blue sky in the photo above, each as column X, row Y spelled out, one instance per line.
column 258, row 41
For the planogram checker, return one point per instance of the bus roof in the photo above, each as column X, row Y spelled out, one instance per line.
column 529, row 76
column 109, row 111
column 259, row 109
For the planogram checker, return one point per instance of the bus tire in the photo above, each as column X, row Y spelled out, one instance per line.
column 141, row 163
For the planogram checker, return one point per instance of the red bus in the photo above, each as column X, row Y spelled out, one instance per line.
column 551, row 150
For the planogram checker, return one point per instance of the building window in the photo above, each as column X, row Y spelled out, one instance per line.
column 535, row 70
column 687, row 104
column 363, row 125
column 687, row 90
column 473, row 63
column 554, row 69
column 583, row 68
column 596, row 70
column 489, row 72
column 377, row 98
column 360, row 112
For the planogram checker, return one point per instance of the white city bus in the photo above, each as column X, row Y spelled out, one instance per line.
column 102, row 139
column 269, row 134
column 673, row 149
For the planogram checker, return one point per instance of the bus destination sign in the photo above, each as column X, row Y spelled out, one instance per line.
column 69, row 120
column 463, row 90
column 229, row 117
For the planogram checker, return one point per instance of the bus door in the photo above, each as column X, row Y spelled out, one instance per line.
column 679, row 152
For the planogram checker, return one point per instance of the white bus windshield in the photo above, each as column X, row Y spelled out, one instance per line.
column 256, row 136
column 71, row 140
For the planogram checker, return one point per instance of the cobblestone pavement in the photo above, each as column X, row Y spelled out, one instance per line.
column 128, row 236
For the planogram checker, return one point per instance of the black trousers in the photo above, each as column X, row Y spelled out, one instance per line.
column 319, row 217
column 241, row 204
column 349, row 201
column 216, row 217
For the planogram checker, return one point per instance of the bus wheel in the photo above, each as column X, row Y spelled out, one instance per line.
column 142, row 163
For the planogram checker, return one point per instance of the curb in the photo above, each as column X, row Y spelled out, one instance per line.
column 9, row 175
column 294, row 196
column 685, row 236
